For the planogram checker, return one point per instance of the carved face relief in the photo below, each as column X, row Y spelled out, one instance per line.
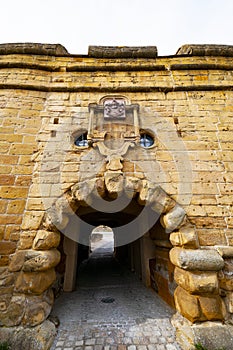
column 114, row 109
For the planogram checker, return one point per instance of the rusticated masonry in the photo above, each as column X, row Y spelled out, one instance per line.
column 126, row 138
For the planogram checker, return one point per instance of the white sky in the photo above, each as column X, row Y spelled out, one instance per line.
column 76, row 24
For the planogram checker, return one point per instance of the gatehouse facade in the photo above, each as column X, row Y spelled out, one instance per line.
column 131, row 140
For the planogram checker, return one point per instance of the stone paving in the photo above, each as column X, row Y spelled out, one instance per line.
column 112, row 310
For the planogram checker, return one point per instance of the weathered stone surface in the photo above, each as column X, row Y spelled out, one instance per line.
column 212, row 335
column 198, row 308
column 40, row 260
column 226, row 275
column 6, row 278
column 197, row 282
column 32, row 220
column 184, row 331
column 14, row 312
column 213, row 237
column 188, row 237
column 226, row 282
column 146, row 192
column 7, row 248
column 131, row 186
column 17, row 261
column 122, row 51
column 229, row 301
column 46, row 240
column 199, row 259
column 225, row 251
column 173, row 219
column 212, row 307
column 40, row 337
column 188, row 305
column 185, row 237
column 205, row 50
column 100, row 187
column 162, row 203
column 114, row 182
column 32, row 48
column 38, row 308
column 26, row 239
column 54, row 218
column 81, row 191
column 35, row 282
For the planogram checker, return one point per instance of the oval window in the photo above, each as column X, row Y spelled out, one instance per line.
column 81, row 141
column 146, row 140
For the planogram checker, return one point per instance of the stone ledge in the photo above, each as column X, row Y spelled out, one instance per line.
column 40, row 337
column 33, row 49
column 206, row 50
column 211, row 335
column 122, row 51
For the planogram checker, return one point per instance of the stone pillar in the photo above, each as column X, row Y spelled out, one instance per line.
column 147, row 250
column 71, row 251
column 197, row 296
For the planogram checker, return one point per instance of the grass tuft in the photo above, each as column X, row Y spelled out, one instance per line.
column 4, row 346
column 200, row 347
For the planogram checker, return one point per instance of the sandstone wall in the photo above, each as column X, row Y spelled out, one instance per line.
column 186, row 100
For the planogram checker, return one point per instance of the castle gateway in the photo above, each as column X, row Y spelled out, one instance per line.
column 124, row 138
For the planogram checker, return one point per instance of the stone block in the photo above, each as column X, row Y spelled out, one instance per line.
column 7, row 247
column 14, row 192
column 225, row 251
column 114, row 182
column 40, row 260
column 6, row 278
column 46, row 240
column 16, row 206
column 226, row 275
column 37, row 308
column 173, row 219
column 7, row 180
column 197, row 282
column 26, row 239
column 188, row 236
column 14, row 312
column 185, row 237
column 40, row 337
column 34, row 282
column 131, row 186
column 32, row 220
column 212, row 307
column 226, row 282
column 229, row 301
column 198, row 259
column 5, row 301
column 188, row 305
column 17, row 261
column 12, row 233
column 161, row 202
column 212, row 335
column 4, row 260
column 211, row 237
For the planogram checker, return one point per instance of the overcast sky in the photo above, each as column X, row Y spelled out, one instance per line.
column 76, row 24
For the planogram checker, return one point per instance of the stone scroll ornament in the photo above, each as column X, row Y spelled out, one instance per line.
column 61, row 207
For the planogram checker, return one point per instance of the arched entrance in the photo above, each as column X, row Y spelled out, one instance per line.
column 102, row 240
column 147, row 254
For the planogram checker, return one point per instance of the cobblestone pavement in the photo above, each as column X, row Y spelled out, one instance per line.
column 112, row 310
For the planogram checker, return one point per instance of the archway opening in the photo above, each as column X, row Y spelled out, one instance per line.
column 101, row 241
column 146, row 256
